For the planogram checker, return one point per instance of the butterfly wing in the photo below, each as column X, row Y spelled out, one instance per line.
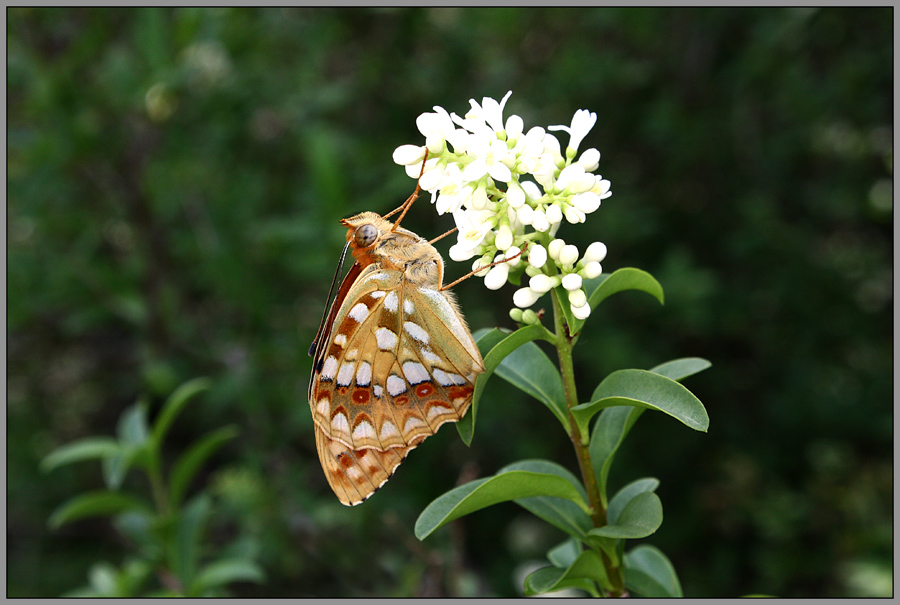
column 399, row 364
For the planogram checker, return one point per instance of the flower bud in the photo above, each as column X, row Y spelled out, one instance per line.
column 515, row 196
column 572, row 281
column 577, row 298
column 540, row 222
column 591, row 270
column 510, row 253
column 587, row 202
column 590, row 160
column 460, row 253
column 479, row 199
column 496, row 277
column 568, row 255
column 514, row 126
column 574, row 215
column 435, row 144
column 582, row 312
column 596, row 252
column 530, row 317
column 525, row 297
column 583, row 183
column 530, row 189
column 431, row 179
column 525, row 214
column 569, row 174
column 480, row 265
column 409, row 154
column 554, row 214
column 540, row 283
column 516, row 315
column 504, row 238
column 537, row 255
column 554, row 248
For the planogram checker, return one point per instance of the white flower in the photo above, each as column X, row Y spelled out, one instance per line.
column 514, row 127
column 582, row 312
column 587, row 202
column 539, row 221
column 504, row 238
column 490, row 111
column 431, row 179
column 525, row 214
column 496, row 277
column 574, row 215
column 582, row 122
column 568, row 176
column 596, row 252
column 435, row 124
column 590, row 159
column 530, row 189
column 406, row 155
column 473, row 226
column 489, row 156
column 577, row 298
column 568, row 255
column 554, row 214
column 537, row 255
column 413, row 170
column 602, row 188
column 541, row 283
column 572, row 281
column 592, row 270
column 525, row 297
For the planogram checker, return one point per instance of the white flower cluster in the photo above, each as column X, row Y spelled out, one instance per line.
column 508, row 188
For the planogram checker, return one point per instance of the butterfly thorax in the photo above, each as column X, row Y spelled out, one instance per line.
column 394, row 248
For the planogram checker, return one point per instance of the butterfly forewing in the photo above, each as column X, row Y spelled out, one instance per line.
column 398, row 362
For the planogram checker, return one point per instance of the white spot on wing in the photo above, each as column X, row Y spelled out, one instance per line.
column 413, row 423
column 388, row 430
column 345, row 375
column 395, row 385
column 364, row 374
column 339, row 423
column 390, row 302
column 376, row 294
column 416, row 331
column 415, row 372
column 340, row 340
column 408, row 306
column 436, row 410
column 378, row 391
column 328, row 368
column 359, row 312
column 363, row 430
column 386, row 339
column 354, row 473
column 324, row 406
column 446, row 379
column 429, row 355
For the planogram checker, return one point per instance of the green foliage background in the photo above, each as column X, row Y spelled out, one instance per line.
column 175, row 180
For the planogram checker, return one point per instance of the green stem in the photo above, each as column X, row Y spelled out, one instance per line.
column 564, row 345
column 157, row 485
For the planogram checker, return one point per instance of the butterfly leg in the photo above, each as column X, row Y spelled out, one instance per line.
column 471, row 273
column 415, row 194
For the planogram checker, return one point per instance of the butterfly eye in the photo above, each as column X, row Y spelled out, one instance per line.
column 365, row 235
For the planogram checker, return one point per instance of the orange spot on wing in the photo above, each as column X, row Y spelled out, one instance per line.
column 360, row 396
column 401, row 400
column 460, row 391
column 424, row 390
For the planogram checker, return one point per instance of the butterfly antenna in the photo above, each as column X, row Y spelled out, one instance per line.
column 440, row 237
column 471, row 273
column 415, row 194
column 337, row 273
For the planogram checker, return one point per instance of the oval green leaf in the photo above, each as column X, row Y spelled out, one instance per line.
column 641, row 517
column 494, row 346
column 650, row 573
column 562, row 514
column 191, row 526
column 174, row 404
column 612, row 425
column 625, row 495
column 564, row 554
column 627, row 278
column 586, row 566
column 132, row 427
column 648, row 390
column 482, row 493
column 679, row 369
column 225, row 572
column 187, row 465
column 95, row 504
column 529, row 369
column 84, row 449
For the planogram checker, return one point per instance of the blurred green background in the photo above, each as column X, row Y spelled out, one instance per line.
column 175, row 180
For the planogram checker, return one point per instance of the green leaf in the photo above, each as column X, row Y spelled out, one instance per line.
column 174, row 404
column 482, row 493
column 586, row 566
column 84, row 449
column 494, row 345
column 224, row 572
column 95, row 504
column 187, row 465
column 190, row 530
column 627, row 278
column 609, row 432
column 116, row 466
column 649, row 572
column 677, row 369
column 641, row 517
column 626, row 494
column 564, row 554
column 650, row 390
column 132, row 427
column 529, row 369
column 561, row 513
column 103, row 578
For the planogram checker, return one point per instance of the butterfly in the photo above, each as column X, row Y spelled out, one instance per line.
column 393, row 359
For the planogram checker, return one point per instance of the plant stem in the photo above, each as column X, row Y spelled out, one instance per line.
column 564, row 345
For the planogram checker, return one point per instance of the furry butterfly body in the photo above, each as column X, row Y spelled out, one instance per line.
column 393, row 361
